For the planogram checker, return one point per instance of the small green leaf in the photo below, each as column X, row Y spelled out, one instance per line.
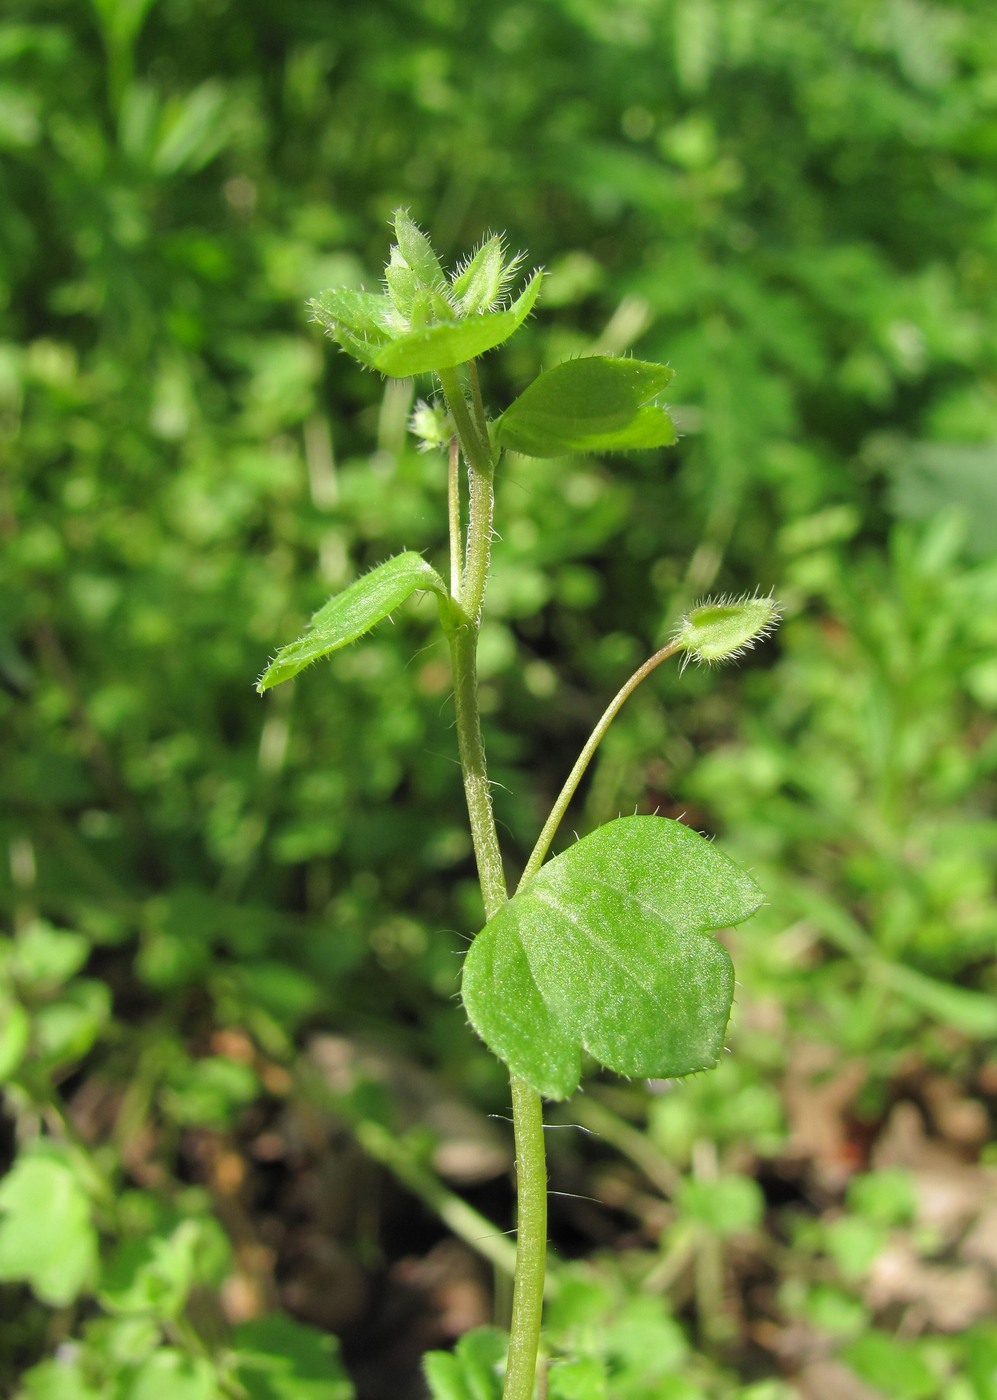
column 721, row 629
column 892, row 1366
column 589, row 405
column 473, row 1371
column 46, row 1235
column 361, row 322
column 42, row 958
column 581, row 1378
column 481, row 283
column 62, row 1379
column 170, row 1371
column 449, row 343
column 350, row 614
column 726, row 1205
column 477, row 285
column 156, row 1273
column 277, row 1358
column 605, row 950
column 417, row 252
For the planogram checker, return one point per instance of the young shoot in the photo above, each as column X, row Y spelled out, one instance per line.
column 604, row 953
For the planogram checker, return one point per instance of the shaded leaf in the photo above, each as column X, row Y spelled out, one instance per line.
column 353, row 612
column 589, row 405
column 277, row 1358
column 605, row 951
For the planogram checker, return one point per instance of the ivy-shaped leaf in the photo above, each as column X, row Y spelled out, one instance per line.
column 606, row 950
column 355, row 611
column 595, row 404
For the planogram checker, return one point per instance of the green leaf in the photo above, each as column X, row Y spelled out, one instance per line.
column 66, row 1029
column 473, row 1371
column 46, row 1235
column 480, row 284
column 350, row 614
column 895, row 1367
column 589, row 405
column 450, row 343
column 155, row 1274
column 64, row 1379
column 582, row 1378
column 980, row 1351
column 726, row 1205
column 605, row 950
column 277, row 1358
column 477, row 285
column 417, row 252
column 361, row 322
column 169, row 1371
column 42, row 958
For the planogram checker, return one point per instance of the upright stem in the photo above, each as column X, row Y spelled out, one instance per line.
column 531, row 1242
column 453, row 511
column 527, row 1109
column 463, row 646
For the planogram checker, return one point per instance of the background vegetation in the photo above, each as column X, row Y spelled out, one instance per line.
column 240, row 1096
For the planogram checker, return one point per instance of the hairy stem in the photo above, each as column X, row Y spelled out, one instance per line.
column 527, row 1109
column 531, row 1242
column 453, row 505
column 463, row 646
column 585, row 757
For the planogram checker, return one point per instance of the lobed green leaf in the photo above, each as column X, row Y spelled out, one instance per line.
column 449, row 343
column 594, row 404
column 606, row 950
column 353, row 612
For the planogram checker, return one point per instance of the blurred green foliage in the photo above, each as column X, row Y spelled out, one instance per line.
column 793, row 205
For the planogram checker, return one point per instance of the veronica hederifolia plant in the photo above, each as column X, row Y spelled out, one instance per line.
column 605, row 950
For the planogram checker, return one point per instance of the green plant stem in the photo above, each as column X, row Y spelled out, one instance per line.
column 453, row 504
column 585, row 757
column 527, row 1108
column 470, row 746
column 531, row 1242
column 481, row 497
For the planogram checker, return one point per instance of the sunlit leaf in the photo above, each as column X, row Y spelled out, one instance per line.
column 353, row 612
column 450, row 343
column 361, row 322
column 417, row 251
column 47, row 1238
column 594, row 404
column 605, row 950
